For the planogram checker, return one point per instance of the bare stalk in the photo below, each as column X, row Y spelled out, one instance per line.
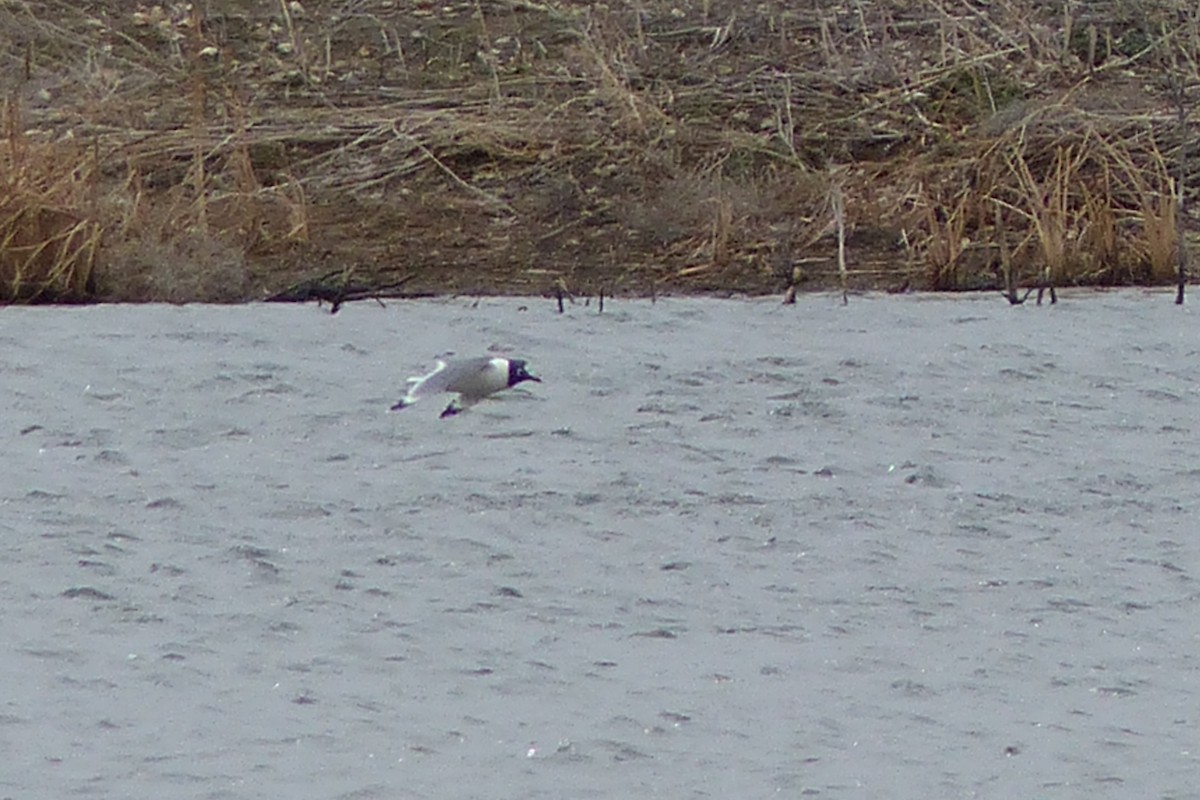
column 837, row 203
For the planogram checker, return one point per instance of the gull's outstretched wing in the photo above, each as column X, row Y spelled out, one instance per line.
column 456, row 375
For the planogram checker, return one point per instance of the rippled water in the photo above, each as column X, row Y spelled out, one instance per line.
column 916, row 547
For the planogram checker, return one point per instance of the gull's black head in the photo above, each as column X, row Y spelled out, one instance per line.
column 518, row 373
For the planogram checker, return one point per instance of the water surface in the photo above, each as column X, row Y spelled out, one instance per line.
column 914, row 547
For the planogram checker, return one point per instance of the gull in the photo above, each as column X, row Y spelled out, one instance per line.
column 471, row 378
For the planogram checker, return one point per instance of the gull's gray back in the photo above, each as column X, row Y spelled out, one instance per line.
column 473, row 377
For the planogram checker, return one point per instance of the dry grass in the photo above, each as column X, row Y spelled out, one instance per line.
column 220, row 151
column 48, row 231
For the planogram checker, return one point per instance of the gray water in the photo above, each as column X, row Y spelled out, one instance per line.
column 916, row 547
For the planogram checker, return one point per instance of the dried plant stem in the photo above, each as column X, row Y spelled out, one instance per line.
column 485, row 52
column 294, row 40
column 837, row 204
column 1181, row 111
column 1006, row 265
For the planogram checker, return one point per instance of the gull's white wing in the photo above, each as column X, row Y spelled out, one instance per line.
column 449, row 376
column 419, row 385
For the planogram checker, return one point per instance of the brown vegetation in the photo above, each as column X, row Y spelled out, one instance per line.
column 233, row 149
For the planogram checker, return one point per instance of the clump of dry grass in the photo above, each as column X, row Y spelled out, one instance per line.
column 48, row 231
column 171, row 214
column 1076, row 198
column 1153, row 213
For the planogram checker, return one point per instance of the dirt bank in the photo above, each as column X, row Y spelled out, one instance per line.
column 237, row 150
